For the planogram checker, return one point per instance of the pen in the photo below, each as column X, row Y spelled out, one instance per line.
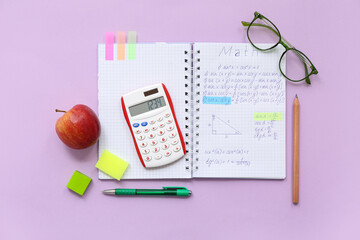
column 165, row 191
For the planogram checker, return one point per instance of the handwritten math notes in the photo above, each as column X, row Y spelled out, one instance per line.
column 242, row 111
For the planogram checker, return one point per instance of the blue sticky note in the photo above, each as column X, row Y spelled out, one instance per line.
column 216, row 100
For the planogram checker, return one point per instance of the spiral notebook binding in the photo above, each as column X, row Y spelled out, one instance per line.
column 188, row 108
column 192, row 109
column 196, row 109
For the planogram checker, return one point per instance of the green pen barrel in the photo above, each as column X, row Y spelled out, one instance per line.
column 166, row 192
column 125, row 191
column 155, row 192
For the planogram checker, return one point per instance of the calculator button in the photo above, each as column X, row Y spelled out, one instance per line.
column 144, row 124
column 165, row 146
column 148, row 158
column 163, row 139
column 153, row 128
column 158, row 156
column 162, row 125
column 169, row 121
column 167, row 153
column 141, row 137
column 170, row 128
column 153, row 142
column 136, row 125
column 152, row 122
column 146, row 130
column 155, row 150
column 160, row 119
column 152, row 135
column 137, row 131
column 174, row 142
column 176, row 149
column 161, row 132
column 167, row 115
column 143, row 144
column 172, row 135
column 145, row 151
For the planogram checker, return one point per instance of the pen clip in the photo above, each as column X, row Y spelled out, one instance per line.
column 174, row 188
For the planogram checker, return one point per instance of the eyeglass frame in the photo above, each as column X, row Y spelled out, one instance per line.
column 288, row 47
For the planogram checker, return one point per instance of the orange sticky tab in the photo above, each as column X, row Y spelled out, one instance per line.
column 120, row 36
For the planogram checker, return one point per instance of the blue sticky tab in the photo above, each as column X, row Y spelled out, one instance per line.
column 217, row 100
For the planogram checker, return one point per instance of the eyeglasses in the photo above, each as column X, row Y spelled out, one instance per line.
column 262, row 29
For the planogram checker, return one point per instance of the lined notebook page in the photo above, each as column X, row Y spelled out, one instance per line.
column 154, row 63
column 241, row 112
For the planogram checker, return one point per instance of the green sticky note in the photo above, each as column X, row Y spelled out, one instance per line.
column 79, row 182
column 275, row 116
column 132, row 45
column 112, row 165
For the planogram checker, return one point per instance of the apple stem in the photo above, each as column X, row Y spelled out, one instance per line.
column 57, row 110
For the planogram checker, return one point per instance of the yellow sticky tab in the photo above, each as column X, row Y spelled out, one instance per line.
column 112, row 165
column 276, row 116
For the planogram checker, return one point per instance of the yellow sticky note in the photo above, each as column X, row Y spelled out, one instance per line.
column 268, row 116
column 112, row 165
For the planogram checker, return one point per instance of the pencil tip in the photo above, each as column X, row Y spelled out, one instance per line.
column 296, row 96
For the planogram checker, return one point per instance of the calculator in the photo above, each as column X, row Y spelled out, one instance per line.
column 150, row 115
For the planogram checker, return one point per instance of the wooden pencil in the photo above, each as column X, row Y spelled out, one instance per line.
column 296, row 109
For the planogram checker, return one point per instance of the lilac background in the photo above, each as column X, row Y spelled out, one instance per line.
column 48, row 60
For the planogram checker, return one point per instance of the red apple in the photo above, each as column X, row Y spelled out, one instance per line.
column 79, row 127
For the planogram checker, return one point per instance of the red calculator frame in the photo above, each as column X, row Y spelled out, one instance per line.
column 175, row 119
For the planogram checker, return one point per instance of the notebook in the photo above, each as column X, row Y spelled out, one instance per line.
column 229, row 100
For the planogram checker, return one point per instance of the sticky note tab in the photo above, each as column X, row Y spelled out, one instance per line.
column 132, row 45
column 217, row 100
column 112, row 165
column 78, row 182
column 109, row 46
column 121, row 39
column 276, row 116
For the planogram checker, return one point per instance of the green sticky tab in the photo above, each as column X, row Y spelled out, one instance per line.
column 78, row 182
column 112, row 165
column 132, row 45
column 132, row 51
column 276, row 116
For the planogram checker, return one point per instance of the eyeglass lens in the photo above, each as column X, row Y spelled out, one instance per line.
column 295, row 65
column 262, row 31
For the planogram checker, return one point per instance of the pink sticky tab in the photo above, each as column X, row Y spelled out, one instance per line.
column 109, row 46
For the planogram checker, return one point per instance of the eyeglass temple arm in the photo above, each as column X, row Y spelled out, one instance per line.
column 307, row 79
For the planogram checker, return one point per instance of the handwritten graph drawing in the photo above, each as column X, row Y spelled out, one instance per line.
column 222, row 127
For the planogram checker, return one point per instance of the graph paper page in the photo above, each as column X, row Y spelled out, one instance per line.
column 241, row 111
column 154, row 63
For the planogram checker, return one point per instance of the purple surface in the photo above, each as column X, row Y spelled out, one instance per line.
column 48, row 60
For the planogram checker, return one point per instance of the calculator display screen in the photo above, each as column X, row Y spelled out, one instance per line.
column 147, row 106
